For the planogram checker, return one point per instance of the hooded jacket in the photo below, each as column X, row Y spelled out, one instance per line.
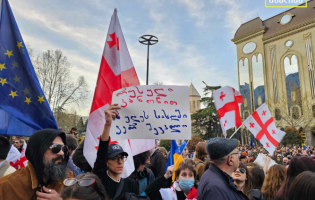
column 23, row 183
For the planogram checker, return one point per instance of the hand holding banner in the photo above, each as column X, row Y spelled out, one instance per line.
column 152, row 112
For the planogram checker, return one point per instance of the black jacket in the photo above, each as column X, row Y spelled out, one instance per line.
column 216, row 184
column 100, row 169
column 157, row 163
column 153, row 190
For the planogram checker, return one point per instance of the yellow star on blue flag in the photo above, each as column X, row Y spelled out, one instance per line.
column 18, row 114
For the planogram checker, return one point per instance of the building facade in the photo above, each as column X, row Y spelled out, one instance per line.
column 276, row 66
column 194, row 98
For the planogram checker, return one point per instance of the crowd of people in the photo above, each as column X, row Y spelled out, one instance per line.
column 218, row 169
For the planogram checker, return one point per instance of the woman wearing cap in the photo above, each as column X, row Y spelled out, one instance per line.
column 110, row 161
column 182, row 188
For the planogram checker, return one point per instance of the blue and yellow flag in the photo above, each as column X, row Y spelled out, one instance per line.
column 175, row 156
column 23, row 106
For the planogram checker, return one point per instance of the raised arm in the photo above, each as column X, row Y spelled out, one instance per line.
column 100, row 165
column 268, row 158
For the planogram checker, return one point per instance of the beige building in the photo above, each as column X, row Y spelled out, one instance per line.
column 276, row 65
column 195, row 98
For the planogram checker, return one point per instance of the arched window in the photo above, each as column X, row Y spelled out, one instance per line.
column 295, row 113
column 258, row 80
column 198, row 102
column 277, row 114
column 313, row 109
column 194, row 104
column 244, row 84
column 292, row 84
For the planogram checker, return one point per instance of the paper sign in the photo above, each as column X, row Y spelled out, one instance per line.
column 152, row 112
column 261, row 160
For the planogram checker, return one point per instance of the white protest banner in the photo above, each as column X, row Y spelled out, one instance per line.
column 261, row 160
column 152, row 112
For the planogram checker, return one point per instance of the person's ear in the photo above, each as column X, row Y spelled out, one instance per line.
column 177, row 179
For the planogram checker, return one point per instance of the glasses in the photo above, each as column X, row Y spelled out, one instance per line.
column 242, row 170
column 55, row 148
column 121, row 158
column 82, row 182
column 234, row 153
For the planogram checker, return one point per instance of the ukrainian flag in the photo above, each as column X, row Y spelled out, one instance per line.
column 175, row 156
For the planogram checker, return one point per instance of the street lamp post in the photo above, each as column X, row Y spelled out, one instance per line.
column 148, row 40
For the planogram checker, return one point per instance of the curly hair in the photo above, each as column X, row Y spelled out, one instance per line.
column 273, row 181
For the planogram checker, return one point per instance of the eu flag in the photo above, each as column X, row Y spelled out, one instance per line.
column 23, row 106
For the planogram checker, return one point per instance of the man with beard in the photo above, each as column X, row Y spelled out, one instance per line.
column 43, row 177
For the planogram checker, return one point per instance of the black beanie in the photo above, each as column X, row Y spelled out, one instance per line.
column 37, row 146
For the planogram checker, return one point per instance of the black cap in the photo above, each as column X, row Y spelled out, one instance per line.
column 220, row 147
column 114, row 150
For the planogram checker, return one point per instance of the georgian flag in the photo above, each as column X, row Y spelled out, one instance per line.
column 14, row 157
column 23, row 159
column 116, row 72
column 262, row 126
column 227, row 101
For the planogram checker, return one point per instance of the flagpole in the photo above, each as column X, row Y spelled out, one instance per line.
column 236, row 131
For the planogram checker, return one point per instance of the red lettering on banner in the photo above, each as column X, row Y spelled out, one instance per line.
column 264, row 130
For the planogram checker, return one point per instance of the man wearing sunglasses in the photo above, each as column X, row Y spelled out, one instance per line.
column 217, row 181
column 42, row 178
column 110, row 160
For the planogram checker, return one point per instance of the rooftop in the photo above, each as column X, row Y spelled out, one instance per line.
column 193, row 91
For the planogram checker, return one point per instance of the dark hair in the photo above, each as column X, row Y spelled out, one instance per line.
column 201, row 151
column 79, row 160
column 242, row 157
column 303, row 187
column 258, row 177
column 4, row 147
column 182, row 166
column 71, row 142
column 248, row 182
column 96, row 191
column 297, row 165
column 140, row 159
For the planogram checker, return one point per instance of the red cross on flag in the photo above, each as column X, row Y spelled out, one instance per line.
column 116, row 72
column 227, row 101
column 262, row 126
column 14, row 157
column 23, row 160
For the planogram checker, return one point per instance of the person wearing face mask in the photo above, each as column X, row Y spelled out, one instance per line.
column 182, row 188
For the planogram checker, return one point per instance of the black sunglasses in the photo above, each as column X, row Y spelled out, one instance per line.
column 242, row 170
column 55, row 148
column 82, row 182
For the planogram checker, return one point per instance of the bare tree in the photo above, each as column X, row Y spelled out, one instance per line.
column 53, row 72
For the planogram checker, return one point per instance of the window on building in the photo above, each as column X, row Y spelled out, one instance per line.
column 292, row 82
column 313, row 109
column 258, row 80
column 194, row 106
column 198, row 102
column 246, row 114
column 244, row 84
column 277, row 114
column 295, row 113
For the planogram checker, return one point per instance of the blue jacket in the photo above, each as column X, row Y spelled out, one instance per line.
column 218, row 185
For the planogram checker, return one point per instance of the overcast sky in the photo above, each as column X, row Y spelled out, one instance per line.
column 194, row 36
